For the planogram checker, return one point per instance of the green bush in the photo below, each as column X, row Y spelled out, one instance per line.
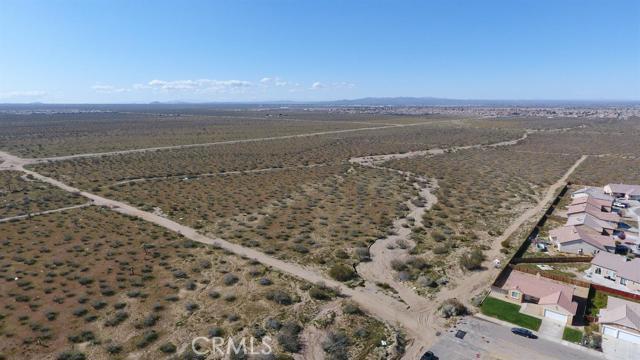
column 342, row 272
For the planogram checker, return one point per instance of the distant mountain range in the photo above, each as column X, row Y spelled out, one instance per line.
column 433, row 101
column 367, row 101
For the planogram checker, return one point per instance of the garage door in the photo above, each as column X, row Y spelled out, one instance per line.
column 633, row 338
column 621, row 334
column 556, row 316
column 610, row 331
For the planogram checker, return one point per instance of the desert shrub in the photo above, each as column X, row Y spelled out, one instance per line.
column 265, row 281
column 216, row 332
column 214, row 294
column 452, row 307
column 288, row 337
column 322, row 292
column 191, row 306
column 417, row 263
column 426, row 281
column 82, row 337
column 51, row 315
column 337, row 345
column 114, row 349
column 363, row 254
column 71, row 355
column 229, row 279
column 150, row 320
column 351, row 308
column 279, row 296
column 80, row 312
column 273, row 324
column 398, row 265
column 117, row 319
column 342, row 272
column 441, row 249
column 472, row 260
column 168, row 348
column 99, row 304
column 147, row 338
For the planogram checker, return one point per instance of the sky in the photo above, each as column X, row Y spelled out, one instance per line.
column 113, row 51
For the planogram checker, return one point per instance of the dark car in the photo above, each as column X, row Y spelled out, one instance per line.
column 428, row 356
column 524, row 332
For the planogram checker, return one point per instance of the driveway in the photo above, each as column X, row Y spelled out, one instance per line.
column 551, row 329
column 615, row 349
column 486, row 340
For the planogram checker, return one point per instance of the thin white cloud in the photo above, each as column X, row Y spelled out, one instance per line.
column 22, row 94
column 199, row 85
column 109, row 89
column 274, row 81
column 317, row 85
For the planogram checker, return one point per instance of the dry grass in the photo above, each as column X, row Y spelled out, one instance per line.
column 108, row 281
column 599, row 171
column 20, row 195
column 480, row 192
column 316, row 215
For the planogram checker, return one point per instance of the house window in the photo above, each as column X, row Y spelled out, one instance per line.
column 598, row 270
column 515, row 294
column 623, row 281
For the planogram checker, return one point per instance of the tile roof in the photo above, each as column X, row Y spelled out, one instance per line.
column 591, row 209
column 592, row 200
column 571, row 233
column 621, row 312
column 591, row 221
column 547, row 291
column 624, row 189
column 628, row 269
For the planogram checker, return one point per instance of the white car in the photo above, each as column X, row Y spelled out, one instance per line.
column 620, row 204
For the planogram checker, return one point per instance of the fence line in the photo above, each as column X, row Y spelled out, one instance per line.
column 532, row 235
column 553, row 259
column 556, row 277
column 618, row 293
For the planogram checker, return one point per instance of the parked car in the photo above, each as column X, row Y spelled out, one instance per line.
column 620, row 204
column 524, row 332
column 428, row 356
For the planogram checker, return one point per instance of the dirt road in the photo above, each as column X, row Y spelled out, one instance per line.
column 18, row 217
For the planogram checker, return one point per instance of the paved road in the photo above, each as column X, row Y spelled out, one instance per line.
column 486, row 340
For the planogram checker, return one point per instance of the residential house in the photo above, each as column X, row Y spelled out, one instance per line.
column 581, row 240
column 593, row 210
column 629, row 192
column 604, row 205
column 600, row 226
column 590, row 191
column 540, row 297
column 616, row 271
column 620, row 320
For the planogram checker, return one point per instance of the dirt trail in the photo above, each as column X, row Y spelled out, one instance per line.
column 17, row 217
column 312, row 336
column 374, row 160
column 193, row 176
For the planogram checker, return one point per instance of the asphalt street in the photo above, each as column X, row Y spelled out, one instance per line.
column 485, row 340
